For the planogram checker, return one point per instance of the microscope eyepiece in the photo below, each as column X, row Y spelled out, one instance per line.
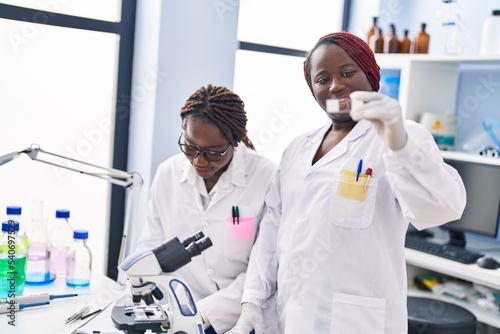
column 196, row 247
column 197, row 236
column 172, row 254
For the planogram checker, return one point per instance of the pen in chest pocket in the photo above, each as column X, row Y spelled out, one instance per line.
column 235, row 212
column 360, row 168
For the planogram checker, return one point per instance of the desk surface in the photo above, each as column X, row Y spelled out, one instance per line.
column 50, row 319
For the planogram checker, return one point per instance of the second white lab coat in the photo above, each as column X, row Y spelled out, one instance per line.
column 335, row 257
column 175, row 209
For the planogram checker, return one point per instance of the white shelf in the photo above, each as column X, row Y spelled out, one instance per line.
column 384, row 58
column 468, row 272
column 469, row 157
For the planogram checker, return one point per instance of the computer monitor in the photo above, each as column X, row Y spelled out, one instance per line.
column 482, row 211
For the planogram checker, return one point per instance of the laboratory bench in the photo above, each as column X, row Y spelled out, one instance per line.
column 50, row 319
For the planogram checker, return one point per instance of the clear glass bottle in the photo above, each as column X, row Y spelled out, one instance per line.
column 14, row 213
column 422, row 39
column 38, row 261
column 405, row 43
column 60, row 238
column 79, row 261
column 12, row 261
column 391, row 42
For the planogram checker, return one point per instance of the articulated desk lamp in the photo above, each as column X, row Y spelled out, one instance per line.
column 132, row 182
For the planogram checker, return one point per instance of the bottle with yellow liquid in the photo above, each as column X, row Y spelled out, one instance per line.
column 14, row 214
column 12, row 261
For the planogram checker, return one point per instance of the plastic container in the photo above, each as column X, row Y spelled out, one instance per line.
column 14, row 213
column 12, row 261
column 60, row 236
column 490, row 36
column 79, row 261
column 38, row 261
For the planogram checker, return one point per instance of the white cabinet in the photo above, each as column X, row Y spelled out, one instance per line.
column 431, row 84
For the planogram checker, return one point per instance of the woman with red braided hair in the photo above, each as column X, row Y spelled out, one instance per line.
column 331, row 245
column 196, row 190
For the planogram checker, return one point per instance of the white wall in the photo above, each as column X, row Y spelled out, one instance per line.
column 180, row 46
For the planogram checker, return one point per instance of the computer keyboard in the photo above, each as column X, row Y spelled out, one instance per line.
column 447, row 251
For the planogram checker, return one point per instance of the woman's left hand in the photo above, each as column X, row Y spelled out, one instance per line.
column 385, row 114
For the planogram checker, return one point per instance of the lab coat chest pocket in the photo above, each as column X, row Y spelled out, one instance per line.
column 352, row 202
column 240, row 236
column 357, row 315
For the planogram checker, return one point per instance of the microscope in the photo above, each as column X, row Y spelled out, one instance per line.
column 150, row 274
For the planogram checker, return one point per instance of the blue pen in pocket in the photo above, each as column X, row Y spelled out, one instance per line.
column 360, row 168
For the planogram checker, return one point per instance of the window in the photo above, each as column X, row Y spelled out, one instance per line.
column 64, row 86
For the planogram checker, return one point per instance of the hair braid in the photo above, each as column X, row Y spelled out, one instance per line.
column 219, row 106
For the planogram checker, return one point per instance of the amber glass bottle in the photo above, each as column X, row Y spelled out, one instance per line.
column 372, row 29
column 391, row 42
column 405, row 43
column 376, row 42
column 421, row 44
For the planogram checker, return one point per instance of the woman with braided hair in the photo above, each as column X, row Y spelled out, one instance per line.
column 196, row 190
column 331, row 244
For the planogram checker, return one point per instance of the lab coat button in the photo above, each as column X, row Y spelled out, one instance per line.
column 210, row 272
column 308, row 178
column 204, row 224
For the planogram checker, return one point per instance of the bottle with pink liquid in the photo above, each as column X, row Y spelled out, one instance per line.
column 60, row 239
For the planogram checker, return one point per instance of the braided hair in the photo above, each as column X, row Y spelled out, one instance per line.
column 217, row 105
column 356, row 48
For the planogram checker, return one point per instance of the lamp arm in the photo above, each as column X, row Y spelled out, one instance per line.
column 112, row 175
column 132, row 182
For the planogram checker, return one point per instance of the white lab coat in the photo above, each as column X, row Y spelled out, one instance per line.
column 175, row 209
column 338, row 263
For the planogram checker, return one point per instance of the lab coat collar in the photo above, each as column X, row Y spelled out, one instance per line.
column 314, row 139
column 235, row 173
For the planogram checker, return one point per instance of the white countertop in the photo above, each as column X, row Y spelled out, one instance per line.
column 50, row 319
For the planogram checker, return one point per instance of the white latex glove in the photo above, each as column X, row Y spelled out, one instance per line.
column 385, row 114
column 250, row 318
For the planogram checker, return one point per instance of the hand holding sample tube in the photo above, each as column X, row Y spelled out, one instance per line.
column 385, row 114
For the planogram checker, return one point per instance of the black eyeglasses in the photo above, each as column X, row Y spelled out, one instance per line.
column 193, row 152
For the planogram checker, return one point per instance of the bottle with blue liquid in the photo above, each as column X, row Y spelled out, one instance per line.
column 12, row 261
column 38, row 261
column 79, row 261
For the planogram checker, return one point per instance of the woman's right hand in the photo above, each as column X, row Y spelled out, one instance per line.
column 250, row 318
